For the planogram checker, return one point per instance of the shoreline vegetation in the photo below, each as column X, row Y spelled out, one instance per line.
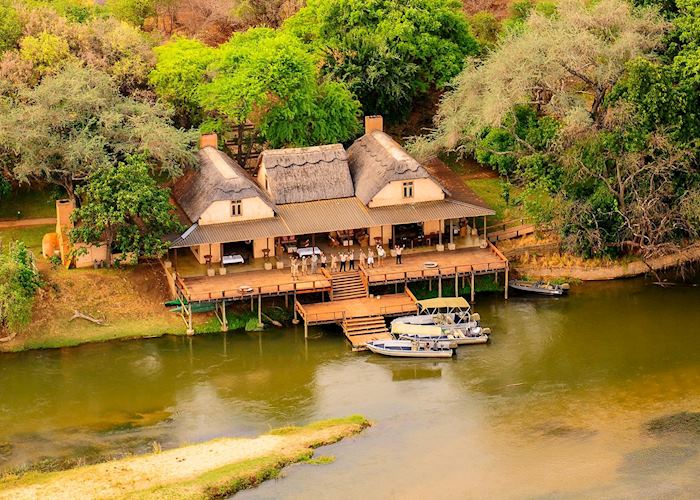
column 213, row 469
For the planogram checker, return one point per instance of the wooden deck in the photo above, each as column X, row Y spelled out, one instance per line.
column 241, row 285
column 338, row 310
column 259, row 282
column 511, row 232
column 460, row 262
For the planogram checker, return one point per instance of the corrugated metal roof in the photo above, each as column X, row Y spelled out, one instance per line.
column 325, row 215
column 424, row 211
column 231, row 232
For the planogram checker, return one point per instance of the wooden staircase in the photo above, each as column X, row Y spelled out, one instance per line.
column 348, row 286
column 361, row 329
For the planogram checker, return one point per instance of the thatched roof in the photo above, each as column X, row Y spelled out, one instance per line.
column 375, row 160
column 218, row 178
column 307, row 174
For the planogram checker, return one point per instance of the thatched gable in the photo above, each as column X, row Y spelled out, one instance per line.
column 307, row 174
column 218, row 178
column 375, row 160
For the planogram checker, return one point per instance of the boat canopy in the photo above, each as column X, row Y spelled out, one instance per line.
column 450, row 303
column 419, row 330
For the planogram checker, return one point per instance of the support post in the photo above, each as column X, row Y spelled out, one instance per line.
column 224, row 321
column 505, row 289
column 295, row 321
column 286, row 300
column 495, row 279
column 440, row 285
column 190, row 328
column 260, row 311
column 306, row 329
column 456, row 283
column 252, row 306
column 471, row 286
column 485, row 235
column 452, row 235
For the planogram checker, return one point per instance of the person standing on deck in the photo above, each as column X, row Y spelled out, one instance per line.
column 370, row 258
column 381, row 253
column 334, row 263
column 363, row 258
column 294, row 266
column 314, row 260
column 323, row 260
column 343, row 260
column 399, row 251
column 352, row 259
column 304, row 267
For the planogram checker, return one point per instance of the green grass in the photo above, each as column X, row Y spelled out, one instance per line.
column 491, row 191
column 481, row 284
column 32, row 204
column 31, row 236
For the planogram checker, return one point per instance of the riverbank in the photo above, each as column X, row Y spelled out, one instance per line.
column 212, row 469
column 572, row 268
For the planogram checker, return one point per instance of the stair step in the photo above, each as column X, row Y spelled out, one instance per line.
column 366, row 332
column 363, row 325
column 363, row 321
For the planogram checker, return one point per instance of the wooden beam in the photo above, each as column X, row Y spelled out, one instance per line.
column 505, row 289
column 471, row 286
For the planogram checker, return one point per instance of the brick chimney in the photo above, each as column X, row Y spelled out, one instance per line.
column 207, row 140
column 374, row 122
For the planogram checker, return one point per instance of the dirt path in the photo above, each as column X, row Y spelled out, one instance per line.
column 7, row 224
column 187, row 471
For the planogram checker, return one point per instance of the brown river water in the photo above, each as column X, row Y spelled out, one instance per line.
column 556, row 406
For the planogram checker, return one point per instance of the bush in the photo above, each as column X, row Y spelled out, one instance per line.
column 19, row 282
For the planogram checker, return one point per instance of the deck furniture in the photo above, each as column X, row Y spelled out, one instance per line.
column 232, row 259
column 308, row 251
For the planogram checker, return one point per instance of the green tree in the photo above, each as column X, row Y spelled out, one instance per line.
column 388, row 52
column 76, row 121
column 10, row 27
column 264, row 77
column 19, row 282
column 124, row 207
column 132, row 11
column 46, row 52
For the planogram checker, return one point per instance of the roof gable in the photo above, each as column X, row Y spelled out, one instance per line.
column 298, row 175
column 375, row 160
column 219, row 178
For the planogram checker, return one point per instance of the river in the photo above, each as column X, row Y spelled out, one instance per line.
column 556, row 406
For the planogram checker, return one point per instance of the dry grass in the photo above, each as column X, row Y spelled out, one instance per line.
column 214, row 469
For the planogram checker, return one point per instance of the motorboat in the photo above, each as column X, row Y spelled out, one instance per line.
column 410, row 348
column 452, row 337
column 452, row 315
column 539, row 287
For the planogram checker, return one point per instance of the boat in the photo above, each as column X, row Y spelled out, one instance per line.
column 539, row 287
column 452, row 315
column 453, row 337
column 410, row 348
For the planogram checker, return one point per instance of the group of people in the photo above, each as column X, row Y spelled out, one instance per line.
column 341, row 262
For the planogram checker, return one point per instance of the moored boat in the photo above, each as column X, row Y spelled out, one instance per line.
column 539, row 287
column 412, row 348
column 452, row 315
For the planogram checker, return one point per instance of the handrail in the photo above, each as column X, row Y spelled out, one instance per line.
column 495, row 250
column 256, row 290
column 520, row 221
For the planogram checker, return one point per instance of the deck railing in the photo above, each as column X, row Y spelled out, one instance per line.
column 437, row 272
column 309, row 286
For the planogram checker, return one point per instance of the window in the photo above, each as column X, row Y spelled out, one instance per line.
column 408, row 189
column 236, row 208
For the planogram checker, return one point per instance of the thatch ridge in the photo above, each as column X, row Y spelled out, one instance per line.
column 375, row 160
column 298, row 175
column 198, row 189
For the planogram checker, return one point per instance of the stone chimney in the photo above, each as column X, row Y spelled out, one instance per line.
column 207, row 140
column 374, row 122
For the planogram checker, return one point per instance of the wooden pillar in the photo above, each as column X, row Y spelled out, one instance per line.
column 485, row 235
column 286, row 300
column 471, row 286
column 295, row 321
column 495, row 278
column 224, row 321
column 451, row 232
column 441, row 227
column 440, row 285
column 430, row 284
column 393, row 235
column 456, row 283
column 306, row 330
column 260, row 310
column 505, row 288
column 252, row 306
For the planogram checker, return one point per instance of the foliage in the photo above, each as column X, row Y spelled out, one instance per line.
column 262, row 76
column 485, row 27
column 269, row 13
column 132, row 11
column 600, row 134
column 46, row 52
column 76, row 122
column 19, row 282
column 10, row 27
column 388, row 52
column 124, row 207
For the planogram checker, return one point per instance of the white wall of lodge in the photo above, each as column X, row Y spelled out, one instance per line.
column 220, row 211
column 392, row 193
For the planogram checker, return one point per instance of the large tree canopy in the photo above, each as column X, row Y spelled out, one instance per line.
column 387, row 51
column 601, row 136
column 262, row 76
column 76, row 121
